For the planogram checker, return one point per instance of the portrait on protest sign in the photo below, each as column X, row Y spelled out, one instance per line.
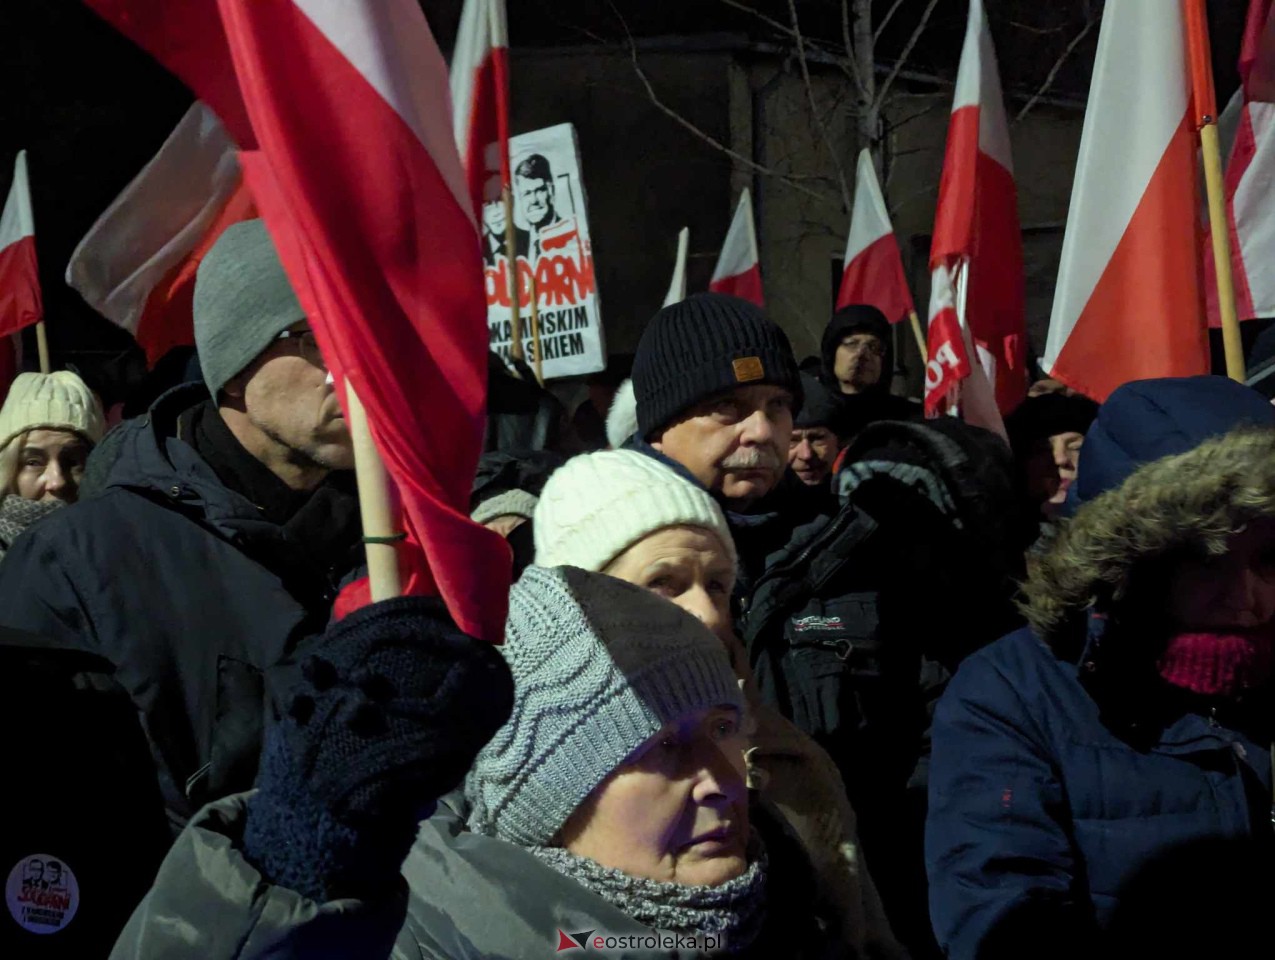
column 552, row 248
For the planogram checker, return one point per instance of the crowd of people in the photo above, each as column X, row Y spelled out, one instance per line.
column 789, row 670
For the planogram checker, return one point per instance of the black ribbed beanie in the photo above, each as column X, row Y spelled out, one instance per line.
column 705, row 345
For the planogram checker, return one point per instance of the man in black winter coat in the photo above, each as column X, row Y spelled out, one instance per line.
column 716, row 386
column 223, row 527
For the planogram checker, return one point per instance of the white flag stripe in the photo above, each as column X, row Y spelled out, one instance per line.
column 1141, row 60
column 978, row 84
column 739, row 251
column 17, row 220
column 869, row 221
column 1254, row 219
column 363, row 30
column 677, row 287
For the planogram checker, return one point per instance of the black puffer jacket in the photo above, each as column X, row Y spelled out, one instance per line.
column 186, row 590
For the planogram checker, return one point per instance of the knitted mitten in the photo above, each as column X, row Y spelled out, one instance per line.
column 394, row 705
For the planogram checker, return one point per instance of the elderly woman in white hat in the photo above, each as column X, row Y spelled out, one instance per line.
column 48, row 425
column 625, row 514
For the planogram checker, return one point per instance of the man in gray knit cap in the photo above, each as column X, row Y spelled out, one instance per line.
column 217, row 540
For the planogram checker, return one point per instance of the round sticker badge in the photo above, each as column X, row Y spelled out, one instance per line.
column 41, row 893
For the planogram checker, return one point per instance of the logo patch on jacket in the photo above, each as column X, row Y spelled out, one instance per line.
column 806, row 624
column 748, row 368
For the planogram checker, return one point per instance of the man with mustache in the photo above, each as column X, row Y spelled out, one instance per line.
column 217, row 541
column 717, row 387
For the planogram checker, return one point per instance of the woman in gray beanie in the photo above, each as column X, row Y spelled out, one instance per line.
column 609, row 811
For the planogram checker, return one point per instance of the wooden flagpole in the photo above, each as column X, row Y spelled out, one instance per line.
column 379, row 536
column 920, row 336
column 535, row 332
column 42, row 344
column 1205, row 99
column 511, row 258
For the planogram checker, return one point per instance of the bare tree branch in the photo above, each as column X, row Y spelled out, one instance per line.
column 886, row 19
column 692, row 128
column 1038, row 31
column 814, row 107
column 935, row 104
column 852, row 62
column 1049, row 78
column 907, row 52
column 753, row 11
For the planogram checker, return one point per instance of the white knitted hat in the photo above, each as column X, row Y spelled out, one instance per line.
column 597, row 505
column 50, row 401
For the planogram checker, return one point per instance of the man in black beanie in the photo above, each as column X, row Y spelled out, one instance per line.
column 858, row 363
column 716, row 386
column 817, row 434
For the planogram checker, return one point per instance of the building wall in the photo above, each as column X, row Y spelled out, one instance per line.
column 647, row 176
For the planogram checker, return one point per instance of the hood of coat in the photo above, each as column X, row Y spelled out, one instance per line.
column 1185, row 502
column 857, row 318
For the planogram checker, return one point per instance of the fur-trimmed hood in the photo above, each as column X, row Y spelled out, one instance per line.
column 1189, row 501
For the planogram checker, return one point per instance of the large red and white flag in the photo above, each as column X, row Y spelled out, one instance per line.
column 1250, row 172
column 341, row 110
column 1128, row 303
column 977, row 235
column 136, row 265
column 873, row 268
column 738, row 270
column 480, row 98
column 20, row 304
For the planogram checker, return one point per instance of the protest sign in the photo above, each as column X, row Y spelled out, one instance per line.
column 553, row 249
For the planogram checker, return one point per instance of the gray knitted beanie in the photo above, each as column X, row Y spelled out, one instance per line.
column 599, row 666
column 243, row 300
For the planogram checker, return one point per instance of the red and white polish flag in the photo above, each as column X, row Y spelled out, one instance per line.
column 1250, row 171
column 738, row 270
column 342, row 113
column 873, row 268
column 480, row 98
column 976, row 231
column 1128, row 303
column 20, row 302
column 136, row 265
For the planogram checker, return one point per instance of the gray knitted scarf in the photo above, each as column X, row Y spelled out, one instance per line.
column 17, row 513
column 735, row 910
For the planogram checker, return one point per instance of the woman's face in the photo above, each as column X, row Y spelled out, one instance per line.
column 688, row 565
column 1235, row 591
column 51, row 465
column 676, row 811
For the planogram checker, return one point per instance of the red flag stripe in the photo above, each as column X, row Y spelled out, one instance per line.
column 20, row 302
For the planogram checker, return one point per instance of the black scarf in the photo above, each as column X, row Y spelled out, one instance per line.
column 324, row 523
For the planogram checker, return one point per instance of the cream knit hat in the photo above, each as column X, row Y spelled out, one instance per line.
column 50, row 401
column 597, row 505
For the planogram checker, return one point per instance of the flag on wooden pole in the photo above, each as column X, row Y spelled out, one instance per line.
column 1128, row 303
column 977, row 237
column 342, row 112
column 20, row 303
column 738, row 270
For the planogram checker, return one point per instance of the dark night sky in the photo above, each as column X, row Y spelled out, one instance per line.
column 91, row 109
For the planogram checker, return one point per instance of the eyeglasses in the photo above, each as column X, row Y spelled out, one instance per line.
column 307, row 345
